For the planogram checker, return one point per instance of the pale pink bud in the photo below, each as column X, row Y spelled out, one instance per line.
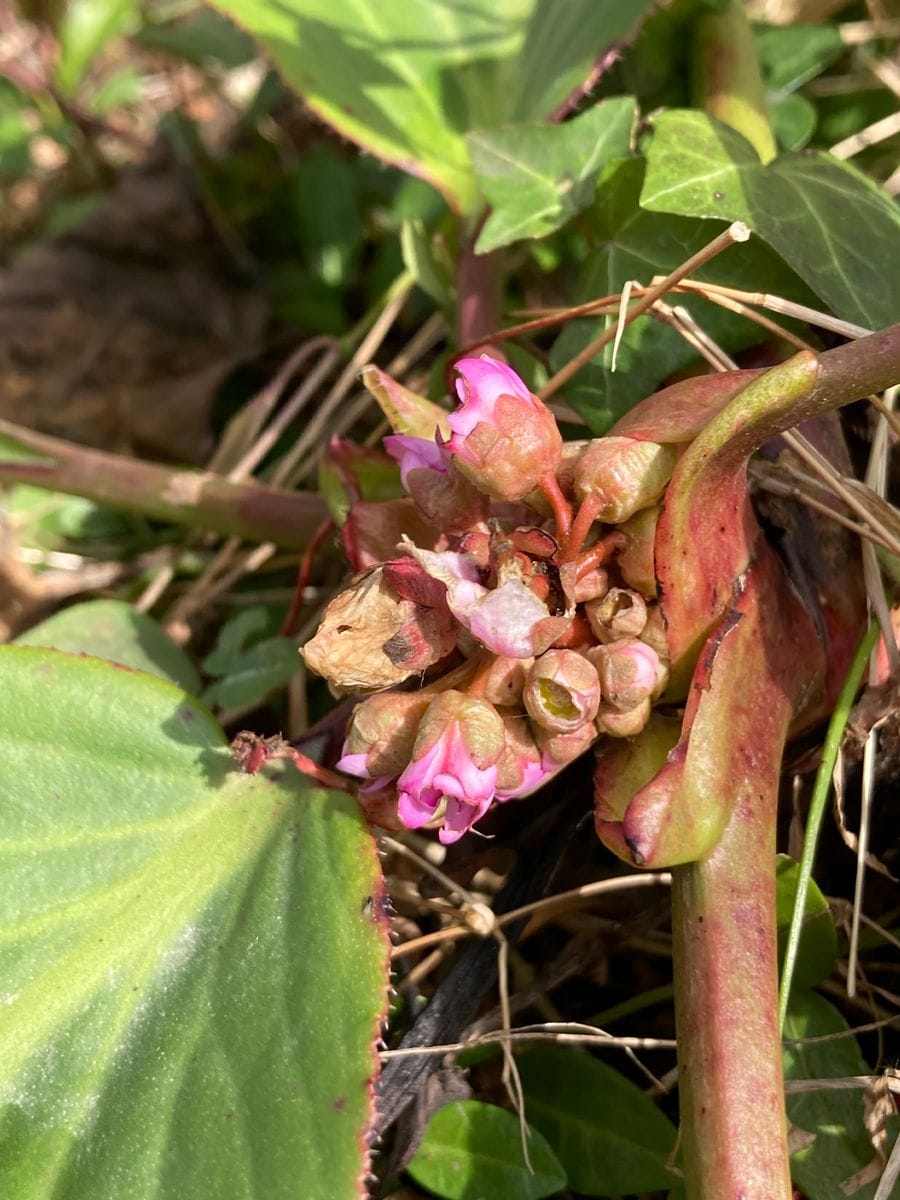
column 520, row 769
column 381, row 735
column 454, row 760
column 622, row 475
column 621, row 613
column 630, row 671
column 503, row 439
column 505, row 680
column 592, row 586
column 616, row 723
column 654, row 632
column 562, row 692
column 636, row 559
column 559, row 749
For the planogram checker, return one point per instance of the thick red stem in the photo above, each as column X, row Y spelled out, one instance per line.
column 562, row 509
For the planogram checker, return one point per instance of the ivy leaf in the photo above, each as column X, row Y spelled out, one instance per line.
column 539, row 176
column 113, row 630
column 609, row 1136
column 823, row 217
column 472, row 1149
column 634, row 244
column 408, row 81
column 835, row 1116
column 193, row 980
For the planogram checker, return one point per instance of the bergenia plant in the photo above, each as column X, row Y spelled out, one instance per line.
column 615, row 594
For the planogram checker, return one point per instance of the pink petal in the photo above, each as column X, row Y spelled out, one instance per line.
column 354, row 764
column 415, row 453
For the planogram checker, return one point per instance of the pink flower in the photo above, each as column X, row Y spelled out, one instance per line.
column 509, row 620
column 630, row 672
column 455, row 759
column 503, row 439
column 415, row 454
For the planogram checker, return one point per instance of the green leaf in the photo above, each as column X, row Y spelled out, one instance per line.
column 113, row 630
column 834, row 1116
column 791, row 55
column 539, row 176
column 793, row 120
column 251, row 663
column 408, row 81
column 634, row 244
column 192, row 976
column 200, row 37
column 608, row 1135
column 472, row 1151
column 829, row 222
column 87, row 28
column 818, row 941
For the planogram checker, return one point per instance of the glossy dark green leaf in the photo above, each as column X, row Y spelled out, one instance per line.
column 536, row 177
column 793, row 120
column 635, row 244
column 408, row 81
column 473, row 1151
column 817, row 954
column 609, row 1136
column 833, row 1115
column 791, row 55
column 113, row 630
column 827, row 221
column 193, row 978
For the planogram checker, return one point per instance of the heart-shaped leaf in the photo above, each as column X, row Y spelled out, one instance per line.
column 538, row 176
column 192, row 958
column 826, row 219
column 408, row 81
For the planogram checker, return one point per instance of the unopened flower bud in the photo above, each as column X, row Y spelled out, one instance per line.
column 616, row 723
column 592, row 586
column 621, row 613
column 636, row 560
column 622, row 475
column 630, row 671
column 505, row 680
column 503, row 438
column 520, row 769
column 559, row 749
column 455, row 758
column 562, row 692
column 381, row 735
column 654, row 632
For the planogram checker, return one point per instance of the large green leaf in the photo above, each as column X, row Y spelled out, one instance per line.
column 472, row 1150
column 192, row 976
column 609, row 1136
column 834, row 1116
column 538, row 176
column 635, row 244
column 113, row 630
column 830, row 223
column 407, row 79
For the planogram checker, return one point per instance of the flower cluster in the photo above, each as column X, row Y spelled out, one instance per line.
column 514, row 586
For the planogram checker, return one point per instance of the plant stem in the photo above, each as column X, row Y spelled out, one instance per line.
column 479, row 282
column 727, row 82
column 729, row 1042
column 200, row 499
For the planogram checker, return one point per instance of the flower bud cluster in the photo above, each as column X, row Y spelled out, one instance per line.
column 527, row 636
